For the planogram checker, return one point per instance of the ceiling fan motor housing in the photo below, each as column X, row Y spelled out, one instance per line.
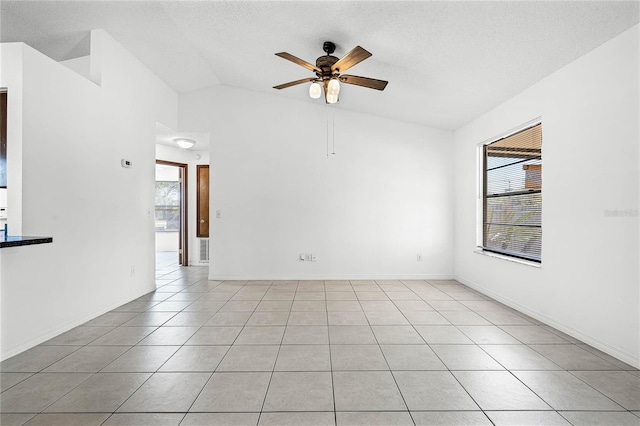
column 325, row 63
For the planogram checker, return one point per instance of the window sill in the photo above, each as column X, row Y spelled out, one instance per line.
column 508, row 258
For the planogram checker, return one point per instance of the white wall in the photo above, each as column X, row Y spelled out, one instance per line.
column 11, row 78
column 365, row 212
column 588, row 283
column 100, row 215
column 167, row 241
column 191, row 158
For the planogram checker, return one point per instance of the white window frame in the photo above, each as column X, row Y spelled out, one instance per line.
column 480, row 194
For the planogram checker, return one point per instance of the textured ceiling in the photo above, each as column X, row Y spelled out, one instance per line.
column 447, row 62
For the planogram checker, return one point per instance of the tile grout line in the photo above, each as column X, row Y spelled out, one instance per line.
column 384, row 357
column 333, row 388
column 226, row 352
column 158, row 369
column 275, row 361
column 447, row 367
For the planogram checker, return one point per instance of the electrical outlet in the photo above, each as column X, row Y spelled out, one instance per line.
column 133, row 271
column 419, row 257
column 307, row 257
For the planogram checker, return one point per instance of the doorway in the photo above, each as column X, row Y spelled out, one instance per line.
column 171, row 213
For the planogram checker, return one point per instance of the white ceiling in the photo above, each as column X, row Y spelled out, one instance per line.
column 447, row 62
column 167, row 136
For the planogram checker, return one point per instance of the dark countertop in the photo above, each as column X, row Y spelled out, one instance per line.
column 19, row 240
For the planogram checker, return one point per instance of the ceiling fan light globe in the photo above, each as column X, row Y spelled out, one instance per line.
column 334, row 87
column 315, row 90
column 331, row 98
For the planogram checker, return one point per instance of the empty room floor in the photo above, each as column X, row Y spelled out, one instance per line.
column 198, row 352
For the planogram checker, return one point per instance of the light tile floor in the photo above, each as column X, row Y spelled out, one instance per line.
column 198, row 352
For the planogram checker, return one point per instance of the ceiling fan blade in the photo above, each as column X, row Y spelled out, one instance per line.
column 357, row 55
column 296, row 60
column 293, row 83
column 370, row 83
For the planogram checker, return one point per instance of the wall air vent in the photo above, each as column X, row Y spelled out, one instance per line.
column 204, row 250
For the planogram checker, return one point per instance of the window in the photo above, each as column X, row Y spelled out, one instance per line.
column 167, row 206
column 512, row 195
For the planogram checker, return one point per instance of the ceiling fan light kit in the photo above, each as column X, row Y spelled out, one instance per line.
column 329, row 69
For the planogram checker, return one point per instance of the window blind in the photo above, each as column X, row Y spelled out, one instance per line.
column 512, row 195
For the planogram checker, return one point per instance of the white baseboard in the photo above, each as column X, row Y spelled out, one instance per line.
column 16, row 349
column 267, row 277
column 604, row 347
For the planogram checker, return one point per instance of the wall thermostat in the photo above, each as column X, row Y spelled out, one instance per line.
column 125, row 163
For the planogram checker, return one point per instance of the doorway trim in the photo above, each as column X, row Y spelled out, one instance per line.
column 183, row 233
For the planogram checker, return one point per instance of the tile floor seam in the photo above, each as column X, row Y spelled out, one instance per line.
column 462, row 386
column 333, row 389
column 596, row 389
column 572, row 344
column 387, row 363
column 275, row 361
column 439, row 358
column 499, row 363
column 70, row 390
column 49, row 365
column 199, row 393
column 518, row 379
column 133, row 393
column 158, row 369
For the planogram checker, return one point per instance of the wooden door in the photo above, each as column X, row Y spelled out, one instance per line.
column 202, row 201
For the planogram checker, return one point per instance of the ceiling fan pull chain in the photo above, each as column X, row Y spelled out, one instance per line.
column 333, row 131
column 327, row 107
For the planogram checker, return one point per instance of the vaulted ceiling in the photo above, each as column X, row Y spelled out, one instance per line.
column 447, row 62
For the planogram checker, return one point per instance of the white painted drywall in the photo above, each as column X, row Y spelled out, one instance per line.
column 11, row 78
column 81, row 65
column 365, row 212
column 191, row 158
column 588, row 285
column 73, row 188
column 167, row 241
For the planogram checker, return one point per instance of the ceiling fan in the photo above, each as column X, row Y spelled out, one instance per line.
column 329, row 71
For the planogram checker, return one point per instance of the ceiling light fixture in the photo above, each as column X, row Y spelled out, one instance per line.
column 315, row 90
column 184, row 143
column 329, row 73
column 333, row 90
